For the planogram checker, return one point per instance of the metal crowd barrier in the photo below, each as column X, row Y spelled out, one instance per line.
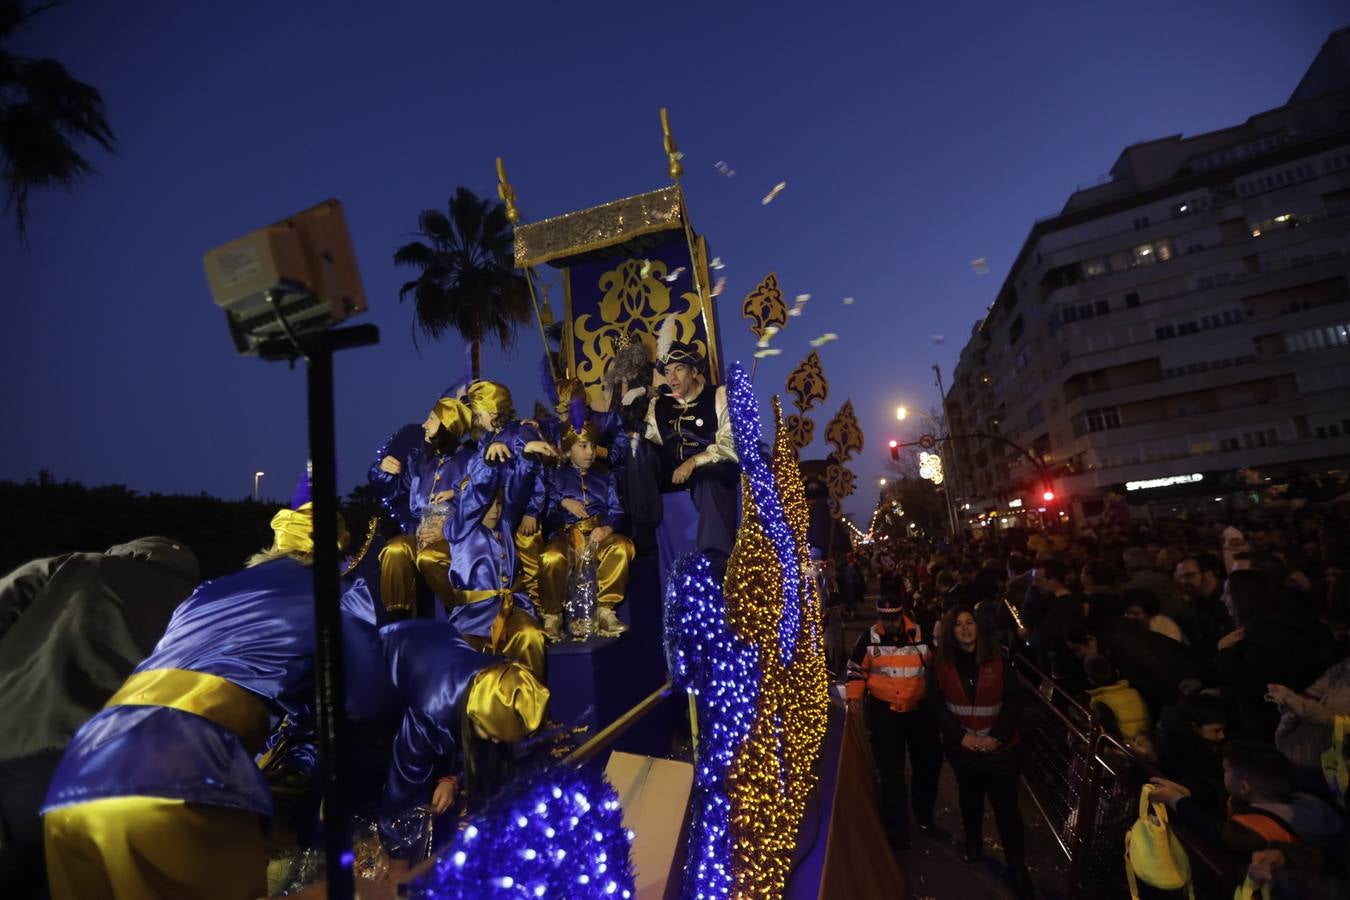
column 1086, row 785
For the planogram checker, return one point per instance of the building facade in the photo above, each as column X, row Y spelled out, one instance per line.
column 1188, row 318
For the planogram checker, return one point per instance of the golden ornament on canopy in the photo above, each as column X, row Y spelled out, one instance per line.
column 800, row 430
column 840, row 481
column 808, row 383
column 844, row 433
column 765, row 306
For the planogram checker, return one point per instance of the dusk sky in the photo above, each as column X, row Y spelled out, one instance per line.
column 913, row 138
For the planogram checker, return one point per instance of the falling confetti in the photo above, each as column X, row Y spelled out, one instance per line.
column 799, row 306
column 824, row 339
column 678, row 154
column 673, row 275
column 777, row 189
column 719, row 287
column 717, row 263
column 724, row 169
column 769, row 332
column 848, row 301
column 646, row 268
column 767, row 351
column 980, row 265
column 938, row 338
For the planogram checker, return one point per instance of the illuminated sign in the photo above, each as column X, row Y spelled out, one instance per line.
column 1170, row 480
column 1015, row 504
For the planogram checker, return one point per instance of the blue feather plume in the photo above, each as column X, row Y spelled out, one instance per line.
column 576, row 413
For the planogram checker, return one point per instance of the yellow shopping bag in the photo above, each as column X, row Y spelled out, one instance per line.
column 1153, row 854
column 1250, row 890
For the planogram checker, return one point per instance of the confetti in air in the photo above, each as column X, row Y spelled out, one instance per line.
column 980, row 265
column 769, row 332
column 673, row 275
column 767, row 351
column 799, row 306
column 777, row 189
column 719, row 287
column 724, row 169
column 848, row 301
column 824, row 339
column 717, row 263
column 939, row 338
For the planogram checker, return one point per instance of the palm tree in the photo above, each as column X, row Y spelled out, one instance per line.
column 43, row 112
column 468, row 282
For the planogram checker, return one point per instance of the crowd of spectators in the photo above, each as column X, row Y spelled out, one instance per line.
column 1215, row 652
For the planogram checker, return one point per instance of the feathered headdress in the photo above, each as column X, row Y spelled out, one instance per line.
column 664, row 338
column 546, row 381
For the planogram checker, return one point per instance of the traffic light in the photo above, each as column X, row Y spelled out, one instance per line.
column 895, row 450
column 1048, row 496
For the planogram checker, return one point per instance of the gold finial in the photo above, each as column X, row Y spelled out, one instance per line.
column 672, row 152
column 506, row 193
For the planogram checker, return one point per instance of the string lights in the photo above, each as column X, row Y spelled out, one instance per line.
column 558, row 833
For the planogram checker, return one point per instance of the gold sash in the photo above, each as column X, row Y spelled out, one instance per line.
column 209, row 696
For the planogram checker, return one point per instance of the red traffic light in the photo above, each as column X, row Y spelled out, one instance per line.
column 1048, row 496
column 895, row 450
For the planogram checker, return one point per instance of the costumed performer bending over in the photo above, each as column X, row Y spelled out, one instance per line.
column 158, row 795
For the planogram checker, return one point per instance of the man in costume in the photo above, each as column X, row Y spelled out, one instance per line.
column 691, row 425
column 583, row 509
column 420, row 487
column 452, row 696
column 158, row 795
column 491, row 607
column 72, row 627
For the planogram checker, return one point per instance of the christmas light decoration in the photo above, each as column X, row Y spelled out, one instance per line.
column 720, row 670
column 558, row 833
column 930, row 466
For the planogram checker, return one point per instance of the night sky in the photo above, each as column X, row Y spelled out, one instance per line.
column 913, row 138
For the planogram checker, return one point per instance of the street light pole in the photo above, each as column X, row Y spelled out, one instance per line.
column 257, row 476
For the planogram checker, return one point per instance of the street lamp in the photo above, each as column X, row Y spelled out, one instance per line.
column 883, row 482
column 257, row 476
column 900, row 413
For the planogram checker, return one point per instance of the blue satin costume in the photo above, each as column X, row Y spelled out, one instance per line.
column 491, row 607
column 255, row 629
column 596, row 489
column 432, row 668
column 523, row 495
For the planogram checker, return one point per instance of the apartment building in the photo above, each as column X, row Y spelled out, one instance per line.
column 1185, row 319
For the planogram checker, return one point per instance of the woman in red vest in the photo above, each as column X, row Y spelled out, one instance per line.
column 978, row 707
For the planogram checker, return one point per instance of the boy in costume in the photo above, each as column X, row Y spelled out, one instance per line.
column 583, row 508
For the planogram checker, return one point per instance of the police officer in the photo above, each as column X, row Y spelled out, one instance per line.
column 887, row 679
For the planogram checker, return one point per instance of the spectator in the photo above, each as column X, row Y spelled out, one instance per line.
column 1100, row 592
column 1142, row 606
column 1119, row 707
column 1140, row 572
column 979, row 709
column 1187, row 745
column 1050, row 611
column 1263, row 807
column 1154, row 665
column 1305, row 728
column 1204, row 619
column 72, row 628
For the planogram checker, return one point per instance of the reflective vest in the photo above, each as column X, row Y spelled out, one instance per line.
column 892, row 671
column 976, row 714
column 1128, row 706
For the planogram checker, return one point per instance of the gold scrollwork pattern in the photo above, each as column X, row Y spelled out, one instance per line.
column 634, row 305
column 808, row 383
column 844, row 433
column 840, row 482
column 765, row 306
column 835, row 509
column 800, row 430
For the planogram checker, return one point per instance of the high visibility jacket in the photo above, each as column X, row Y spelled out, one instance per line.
column 1127, row 704
column 893, row 670
column 979, row 713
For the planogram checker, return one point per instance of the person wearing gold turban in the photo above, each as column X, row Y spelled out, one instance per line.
column 583, row 509
column 158, row 795
column 422, row 487
column 611, row 440
column 516, row 446
column 491, row 609
column 447, row 687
